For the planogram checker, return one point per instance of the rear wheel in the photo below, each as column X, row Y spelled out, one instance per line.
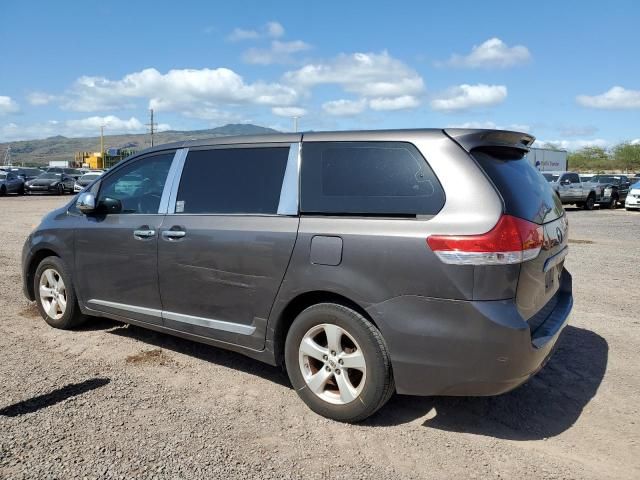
column 55, row 295
column 338, row 363
column 591, row 201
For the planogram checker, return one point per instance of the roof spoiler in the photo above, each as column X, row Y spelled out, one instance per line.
column 469, row 139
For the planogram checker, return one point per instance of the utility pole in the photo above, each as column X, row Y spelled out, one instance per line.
column 7, row 156
column 152, row 126
column 104, row 162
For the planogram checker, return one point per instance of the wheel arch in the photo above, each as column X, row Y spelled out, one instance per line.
column 35, row 260
column 296, row 305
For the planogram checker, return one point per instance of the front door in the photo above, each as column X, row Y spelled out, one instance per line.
column 117, row 248
column 224, row 248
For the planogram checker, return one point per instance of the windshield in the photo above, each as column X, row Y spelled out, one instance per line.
column 50, row 175
column 89, row 177
column 604, row 179
column 551, row 177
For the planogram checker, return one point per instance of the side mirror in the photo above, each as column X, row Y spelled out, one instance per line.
column 86, row 202
column 110, row 205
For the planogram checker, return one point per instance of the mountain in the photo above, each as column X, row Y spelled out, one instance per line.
column 63, row 148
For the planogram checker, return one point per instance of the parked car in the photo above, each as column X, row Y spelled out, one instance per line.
column 614, row 187
column 85, row 180
column 350, row 257
column 74, row 172
column 585, row 178
column 25, row 173
column 572, row 190
column 51, row 182
column 10, row 183
column 632, row 202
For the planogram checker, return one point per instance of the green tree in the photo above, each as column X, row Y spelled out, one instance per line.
column 627, row 156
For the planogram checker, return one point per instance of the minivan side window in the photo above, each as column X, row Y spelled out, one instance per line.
column 368, row 178
column 139, row 184
column 232, row 180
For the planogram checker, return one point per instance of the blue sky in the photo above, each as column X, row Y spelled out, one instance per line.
column 567, row 72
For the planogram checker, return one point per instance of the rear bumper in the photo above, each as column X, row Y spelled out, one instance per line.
column 454, row 347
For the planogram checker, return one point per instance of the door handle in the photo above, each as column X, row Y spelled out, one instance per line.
column 173, row 234
column 144, row 233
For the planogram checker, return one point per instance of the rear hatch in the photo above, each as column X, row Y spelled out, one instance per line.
column 526, row 195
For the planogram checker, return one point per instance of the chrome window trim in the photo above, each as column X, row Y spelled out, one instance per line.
column 289, row 193
column 171, row 206
column 209, row 323
column 166, row 192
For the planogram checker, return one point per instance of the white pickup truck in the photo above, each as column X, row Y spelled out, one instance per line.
column 572, row 190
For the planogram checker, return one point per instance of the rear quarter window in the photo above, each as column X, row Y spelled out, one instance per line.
column 525, row 192
column 368, row 179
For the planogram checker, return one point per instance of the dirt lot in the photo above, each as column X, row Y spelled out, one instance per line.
column 115, row 401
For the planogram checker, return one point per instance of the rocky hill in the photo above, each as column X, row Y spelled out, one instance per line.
column 63, row 148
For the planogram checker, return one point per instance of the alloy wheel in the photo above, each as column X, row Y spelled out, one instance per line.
column 53, row 294
column 332, row 364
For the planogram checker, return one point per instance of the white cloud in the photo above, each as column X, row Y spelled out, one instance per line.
column 239, row 34
column 577, row 131
column 617, row 98
column 41, row 98
column 516, row 127
column 278, row 52
column 635, row 141
column 574, row 144
column 85, row 127
column 344, row 108
column 268, row 30
column 365, row 74
column 274, row 29
column 397, row 103
column 8, row 105
column 182, row 90
column 465, row 97
column 289, row 111
column 493, row 53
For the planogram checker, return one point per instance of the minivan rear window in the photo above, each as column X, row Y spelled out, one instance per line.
column 368, row 179
column 525, row 192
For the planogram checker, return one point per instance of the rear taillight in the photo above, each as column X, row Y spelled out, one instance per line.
column 512, row 240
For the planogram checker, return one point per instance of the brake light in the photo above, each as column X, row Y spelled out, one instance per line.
column 512, row 240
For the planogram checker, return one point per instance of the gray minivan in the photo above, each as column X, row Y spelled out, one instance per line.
column 423, row 262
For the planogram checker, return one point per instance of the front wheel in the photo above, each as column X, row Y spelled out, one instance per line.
column 338, row 363
column 589, row 204
column 55, row 295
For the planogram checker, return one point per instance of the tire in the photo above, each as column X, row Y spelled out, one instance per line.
column 48, row 274
column 589, row 204
column 347, row 394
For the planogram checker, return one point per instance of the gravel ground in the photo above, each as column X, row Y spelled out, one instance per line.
column 116, row 401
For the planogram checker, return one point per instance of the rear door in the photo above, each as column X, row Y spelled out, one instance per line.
column 226, row 242
column 526, row 194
